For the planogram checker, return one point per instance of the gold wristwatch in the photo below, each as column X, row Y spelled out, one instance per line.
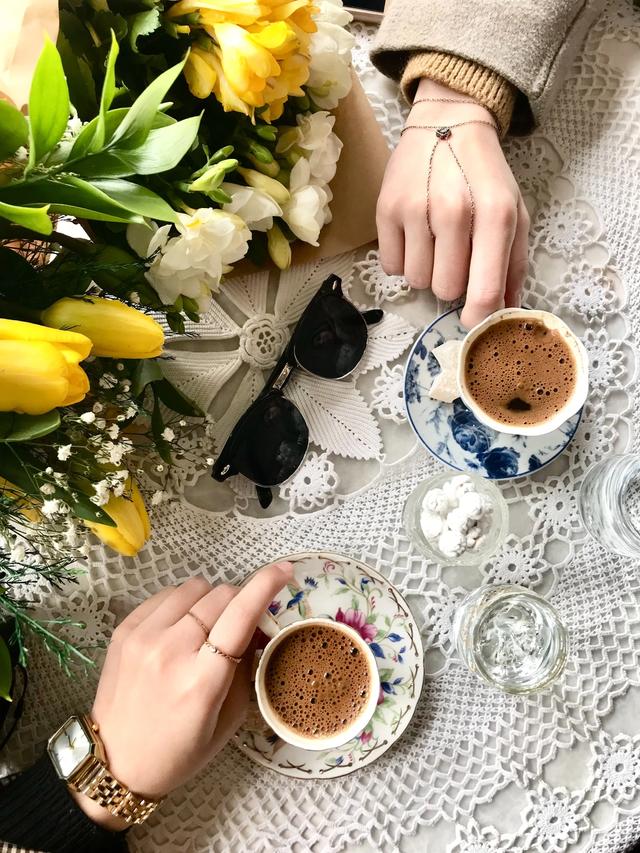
column 79, row 758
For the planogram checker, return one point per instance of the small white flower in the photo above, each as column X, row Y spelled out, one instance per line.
column 18, row 553
column 168, row 434
column 113, row 431
column 131, row 412
column 107, row 381
column 116, row 452
column 157, row 498
column 71, row 537
column 254, row 206
column 100, row 423
column 84, row 550
column 88, row 417
column 118, row 489
column 97, row 408
column 125, row 384
column 182, row 423
column 210, row 460
column 60, row 479
column 48, row 470
column 51, row 507
column 120, row 418
column 64, row 452
column 159, row 468
column 119, row 366
column 134, row 297
column 47, row 489
column 121, row 475
column 21, row 155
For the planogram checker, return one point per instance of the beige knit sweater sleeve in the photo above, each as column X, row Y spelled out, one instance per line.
column 529, row 44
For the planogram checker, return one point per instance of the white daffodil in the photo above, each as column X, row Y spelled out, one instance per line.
column 253, row 206
column 330, row 65
column 305, row 212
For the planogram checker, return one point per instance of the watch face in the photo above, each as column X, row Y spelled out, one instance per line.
column 69, row 747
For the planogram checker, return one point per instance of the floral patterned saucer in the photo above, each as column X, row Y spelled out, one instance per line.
column 355, row 594
column 453, row 435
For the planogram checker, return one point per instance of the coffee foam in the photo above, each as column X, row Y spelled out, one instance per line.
column 520, row 372
column 318, row 681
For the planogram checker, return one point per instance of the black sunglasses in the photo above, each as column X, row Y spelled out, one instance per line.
column 270, row 440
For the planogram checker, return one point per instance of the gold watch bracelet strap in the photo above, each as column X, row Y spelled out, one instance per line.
column 101, row 787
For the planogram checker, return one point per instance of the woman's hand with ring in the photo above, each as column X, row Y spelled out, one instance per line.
column 490, row 264
column 165, row 705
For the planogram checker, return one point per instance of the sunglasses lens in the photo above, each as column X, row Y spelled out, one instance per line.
column 272, row 443
column 331, row 337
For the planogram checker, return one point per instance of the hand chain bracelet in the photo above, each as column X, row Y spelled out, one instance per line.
column 443, row 134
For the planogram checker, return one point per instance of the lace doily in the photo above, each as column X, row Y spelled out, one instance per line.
column 477, row 771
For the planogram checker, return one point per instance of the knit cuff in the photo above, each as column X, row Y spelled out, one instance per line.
column 480, row 83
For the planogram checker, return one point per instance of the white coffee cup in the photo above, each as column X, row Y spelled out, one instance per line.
column 271, row 628
column 575, row 402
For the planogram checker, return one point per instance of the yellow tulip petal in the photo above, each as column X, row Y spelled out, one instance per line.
column 17, row 330
column 132, row 522
column 78, row 383
column 116, row 330
column 33, row 377
column 138, row 502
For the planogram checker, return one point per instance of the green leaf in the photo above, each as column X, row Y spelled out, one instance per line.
column 163, row 149
column 135, row 128
column 14, row 130
column 142, row 24
column 83, row 508
column 82, row 89
column 137, row 199
column 15, row 427
column 112, row 121
column 147, row 370
column 175, row 399
column 34, row 218
column 68, row 194
column 6, row 672
column 48, row 104
column 106, row 97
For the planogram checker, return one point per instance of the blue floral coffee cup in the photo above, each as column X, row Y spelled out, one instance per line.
column 573, row 405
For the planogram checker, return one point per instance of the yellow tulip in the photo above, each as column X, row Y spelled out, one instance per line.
column 116, row 330
column 132, row 522
column 39, row 367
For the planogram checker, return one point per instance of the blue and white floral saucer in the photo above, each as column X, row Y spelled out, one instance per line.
column 350, row 592
column 453, row 435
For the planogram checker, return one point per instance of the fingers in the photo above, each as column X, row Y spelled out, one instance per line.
column 452, row 227
column 234, row 708
column 174, row 606
column 234, row 629
column 519, row 259
column 390, row 242
column 418, row 250
column 208, row 609
column 493, row 237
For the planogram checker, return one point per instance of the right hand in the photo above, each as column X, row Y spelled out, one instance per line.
column 165, row 703
column 492, row 264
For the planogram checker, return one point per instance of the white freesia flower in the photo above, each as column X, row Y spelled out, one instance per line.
column 319, row 144
column 193, row 263
column 254, row 206
column 330, row 64
column 305, row 212
column 333, row 12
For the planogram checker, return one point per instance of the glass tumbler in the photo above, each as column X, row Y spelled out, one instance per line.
column 609, row 503
column 511, row 637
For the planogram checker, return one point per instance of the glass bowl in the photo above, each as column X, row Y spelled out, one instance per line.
column 495, row 536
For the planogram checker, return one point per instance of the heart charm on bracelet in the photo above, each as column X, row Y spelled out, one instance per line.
column 443, row 132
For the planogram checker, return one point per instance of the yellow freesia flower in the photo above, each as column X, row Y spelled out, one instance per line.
column 210, row 12
column 245, row 62
column 133, row 527
column 299, row 12
column 200, row 73
column 39, row 367
column 116, row 330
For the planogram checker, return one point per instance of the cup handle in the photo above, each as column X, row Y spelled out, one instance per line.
column 269, row 625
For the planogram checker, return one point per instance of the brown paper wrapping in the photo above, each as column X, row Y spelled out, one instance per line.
column 24, row 25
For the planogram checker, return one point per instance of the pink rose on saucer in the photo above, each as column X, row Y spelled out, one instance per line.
column 356, row 619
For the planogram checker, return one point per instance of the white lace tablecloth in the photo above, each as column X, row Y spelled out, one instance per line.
column 477, row 771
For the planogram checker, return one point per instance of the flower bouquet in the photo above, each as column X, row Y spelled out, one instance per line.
column 164, row 142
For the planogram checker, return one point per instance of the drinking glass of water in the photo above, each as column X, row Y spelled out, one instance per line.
column 610, row 503
column 511, row 637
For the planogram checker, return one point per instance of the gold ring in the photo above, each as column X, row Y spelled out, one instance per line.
column 216, row 651
column 199, row 621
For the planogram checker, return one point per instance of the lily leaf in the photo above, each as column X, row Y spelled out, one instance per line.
column 82, row 89
column 6, row 672
column 175, row 399
column 112, row 121
column 34, row 218
column 163, row 149
column 157, row 428
column 14, row 130
column 106, row 97
column 15, row 427
column 147, row 370
column 48, row 104
column 136, row 126
column 137, row 199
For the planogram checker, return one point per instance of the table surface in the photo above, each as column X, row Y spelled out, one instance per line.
column 476, row 772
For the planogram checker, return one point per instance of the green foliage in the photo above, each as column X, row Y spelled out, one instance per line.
column 48, row 104
column 6, row 672
column 15, row 427
column 14, row 130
